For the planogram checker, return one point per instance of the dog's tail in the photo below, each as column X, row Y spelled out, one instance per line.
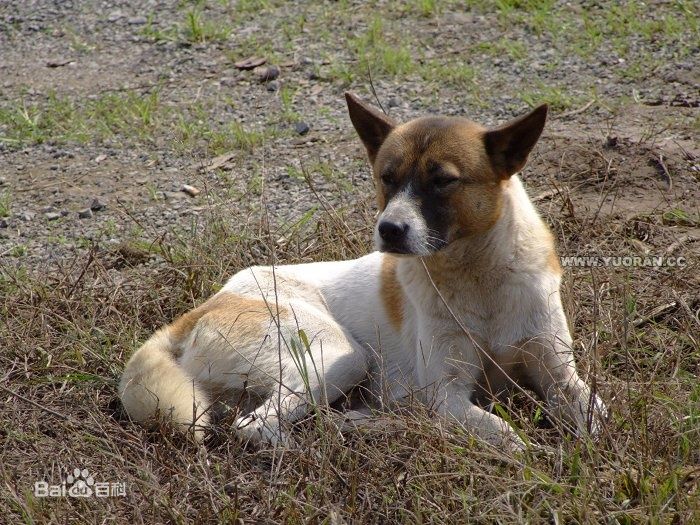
column 154, row 383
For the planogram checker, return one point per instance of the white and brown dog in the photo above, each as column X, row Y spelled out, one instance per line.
column 461, row 298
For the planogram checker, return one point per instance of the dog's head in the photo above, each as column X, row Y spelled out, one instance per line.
column 440, row 179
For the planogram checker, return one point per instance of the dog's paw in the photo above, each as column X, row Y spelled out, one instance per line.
column 598, row 415
column 255, row 430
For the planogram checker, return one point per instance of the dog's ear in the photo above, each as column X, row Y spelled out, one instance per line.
column 509, row 145
column 371, row 125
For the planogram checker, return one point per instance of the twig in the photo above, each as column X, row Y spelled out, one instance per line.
column 91, row 258
column 577, row 111
column 674, row 245
column 686, row 308
column 656, row 312
column 371, row 85
column 664, row 169
column 545, row 195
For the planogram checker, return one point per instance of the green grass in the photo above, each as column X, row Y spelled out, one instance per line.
column 5, row 203
column 374, row 53
column 559, row 99
column 198, row 29
column 195, row 27
column 64, row 119
column 129, row 118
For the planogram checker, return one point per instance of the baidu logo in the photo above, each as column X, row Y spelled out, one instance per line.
column 80, row 484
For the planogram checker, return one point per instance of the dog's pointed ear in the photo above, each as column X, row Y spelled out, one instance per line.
column 371, row 125
column 509, row 145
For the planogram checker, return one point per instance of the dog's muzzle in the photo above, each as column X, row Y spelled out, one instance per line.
column 402, row 229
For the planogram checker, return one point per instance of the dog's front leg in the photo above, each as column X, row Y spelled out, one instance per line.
column 551, row 371
column 454, row 402
column 447, row 369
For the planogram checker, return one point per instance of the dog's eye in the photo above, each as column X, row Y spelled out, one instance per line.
column 387, row 180
column 442, row 182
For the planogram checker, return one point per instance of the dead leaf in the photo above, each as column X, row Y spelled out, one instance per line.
column 250, row 63
column 218, row 162
column 59, row 62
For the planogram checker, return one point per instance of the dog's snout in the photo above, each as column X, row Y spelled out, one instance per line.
column 392, row 231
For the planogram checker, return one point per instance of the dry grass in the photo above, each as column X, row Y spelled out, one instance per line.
column 66, row 335
column 67, row 329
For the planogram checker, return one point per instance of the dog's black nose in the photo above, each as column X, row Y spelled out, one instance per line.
column 392, row 232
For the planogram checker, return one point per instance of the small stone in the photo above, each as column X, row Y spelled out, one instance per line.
column 174, row 195
column 306, row 61
column 137, row 20
column 302, row 128
column 27, row 216
column 190, row 190
column 52, row 215
column 114, row 16
column 85, row 214
column 97, row 205
column 3, row 181
column 4, row 223
column 273, row 86
column 266, row 73
column 394, row 102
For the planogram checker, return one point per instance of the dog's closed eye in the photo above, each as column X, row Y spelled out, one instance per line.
column 388, row 179
column 442, row 182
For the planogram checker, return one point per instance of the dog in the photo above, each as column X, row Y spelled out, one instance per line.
column 461, row 300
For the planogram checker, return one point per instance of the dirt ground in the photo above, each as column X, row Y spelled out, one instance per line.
column 108, row 108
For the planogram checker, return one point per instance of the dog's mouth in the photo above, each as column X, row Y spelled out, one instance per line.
column 420, row 250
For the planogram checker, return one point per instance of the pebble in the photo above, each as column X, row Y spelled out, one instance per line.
column 4, row 223
column 302, row 128
column 394, row 102
column 174, row 195
column 137, row 20
column 97, row 205
column 273, row 86
column 52, row 215
column 266, row 73
column 85, row 214
column 27, row 216
column 114, row 16
column 190, row 190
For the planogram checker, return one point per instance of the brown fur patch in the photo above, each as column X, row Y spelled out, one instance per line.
column 392, row 294
column 553, row 262
column 227, row 309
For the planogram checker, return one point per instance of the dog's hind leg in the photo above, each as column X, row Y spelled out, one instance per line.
column 320, row 362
